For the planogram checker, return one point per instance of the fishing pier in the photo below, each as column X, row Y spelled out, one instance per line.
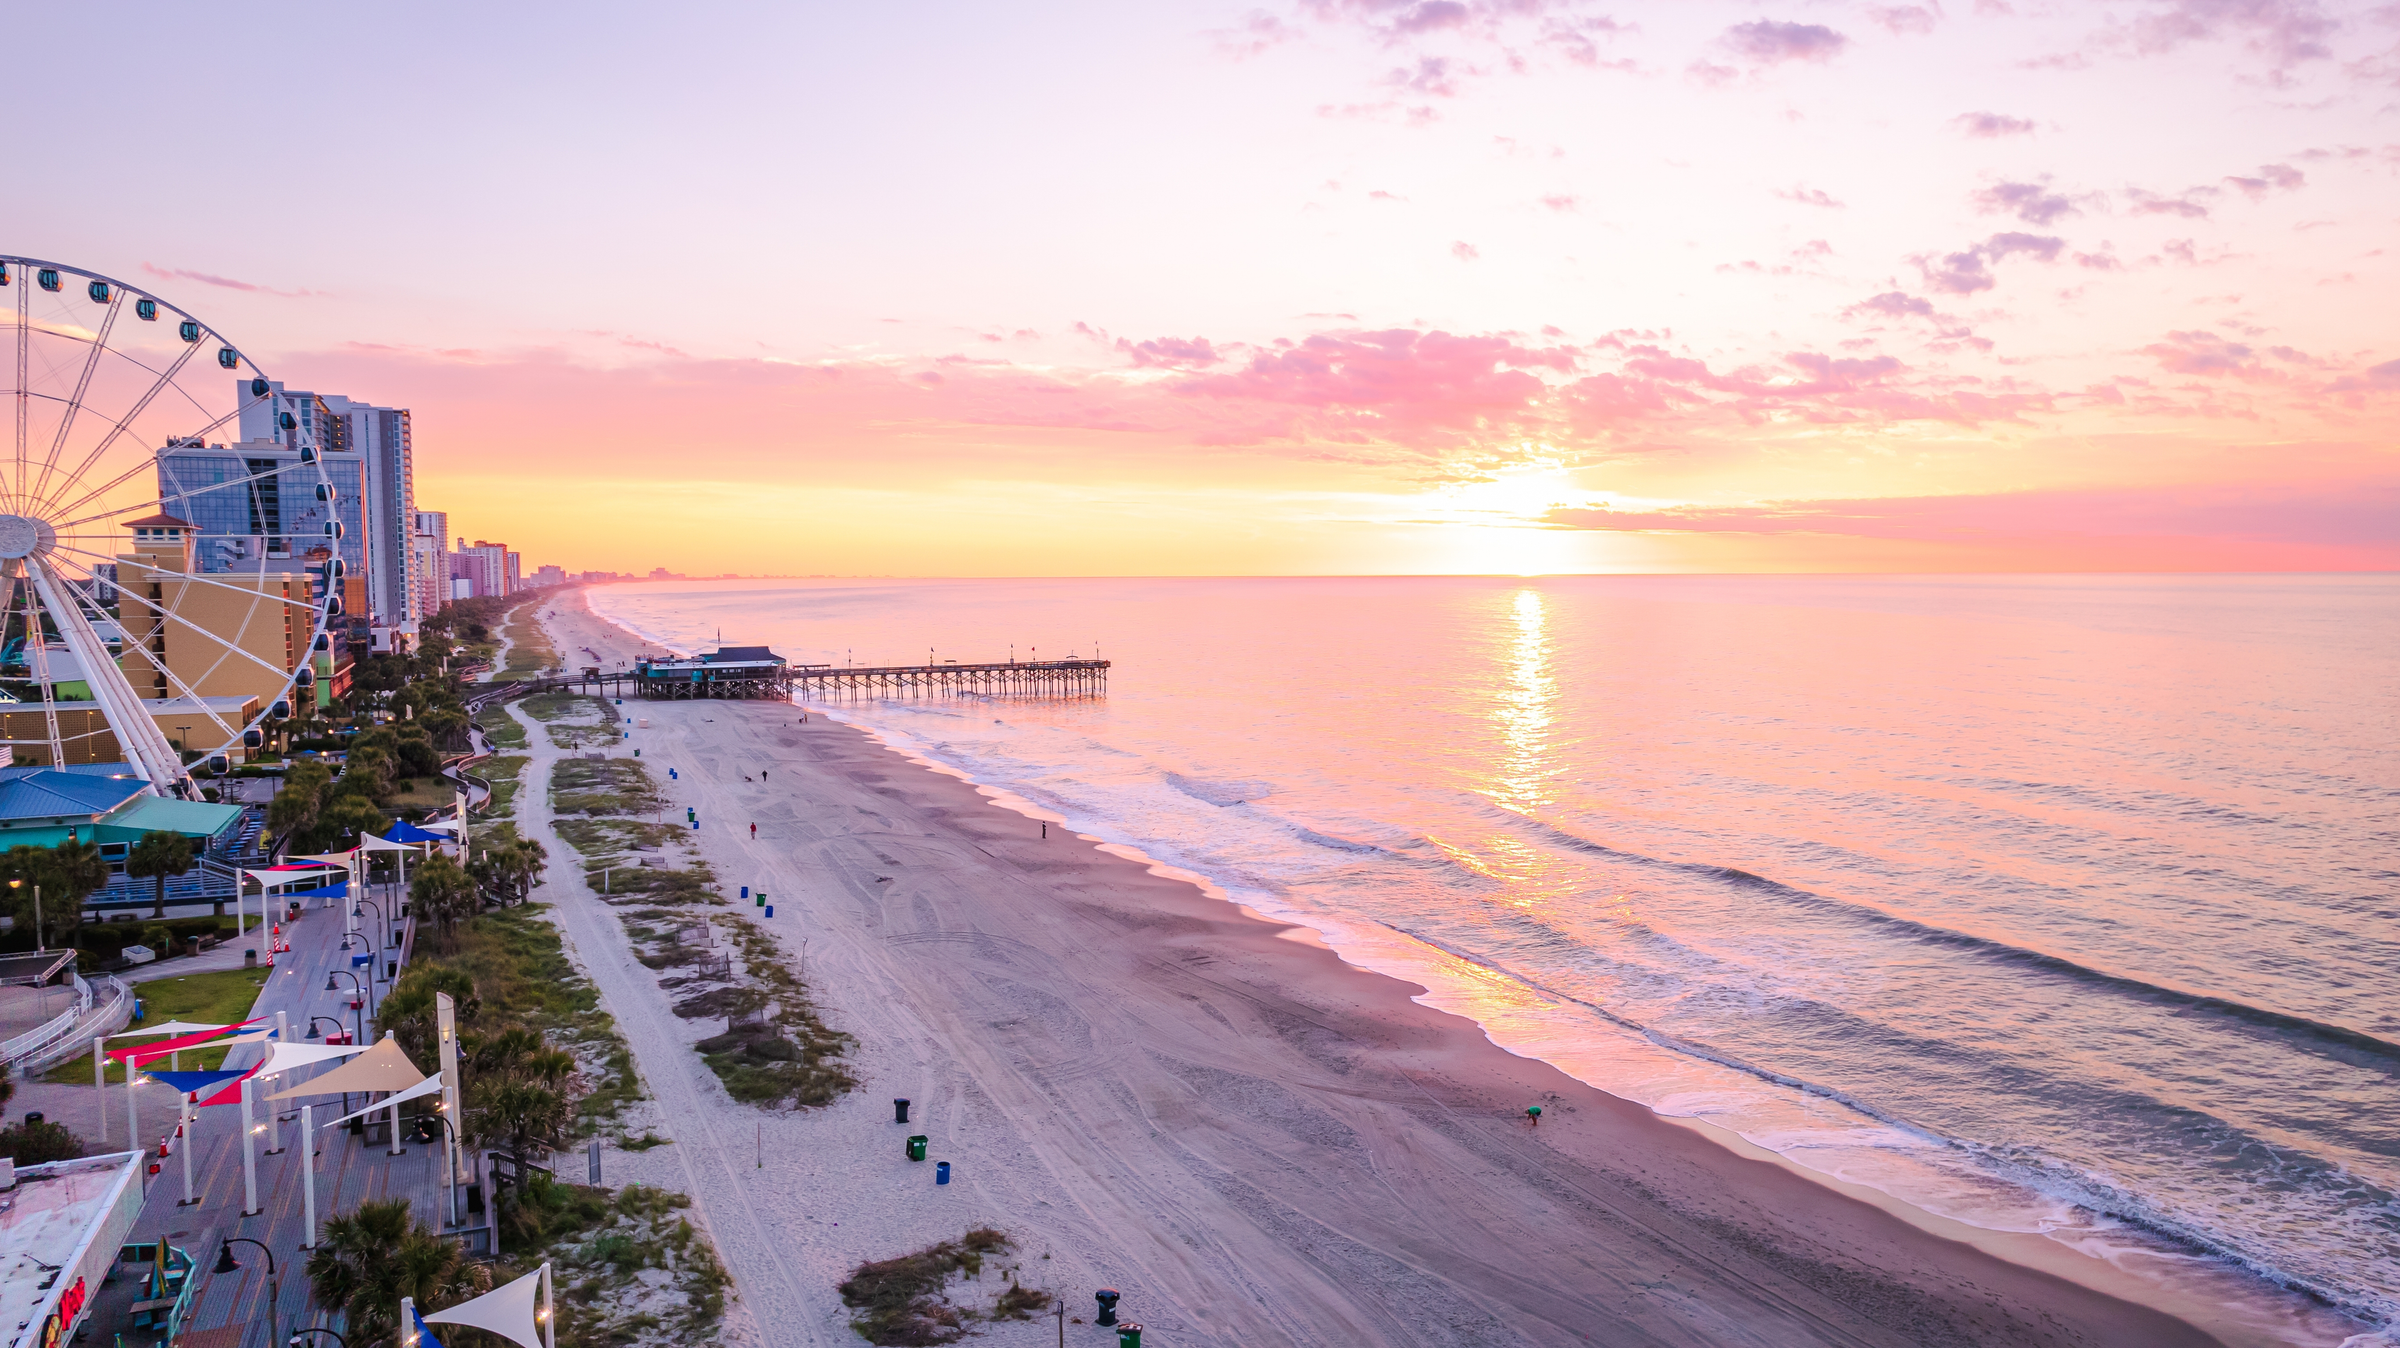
column 756, row 673
column 1041, row 678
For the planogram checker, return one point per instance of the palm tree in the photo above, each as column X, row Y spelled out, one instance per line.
column 158, row 855
column 444, row 895
column 296, row 805
column 66, row 874
column 368, row 1260
column 511, row 869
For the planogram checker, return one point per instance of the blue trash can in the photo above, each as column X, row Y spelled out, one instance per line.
column 941, row 1172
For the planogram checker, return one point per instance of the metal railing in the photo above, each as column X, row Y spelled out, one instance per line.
column 65, row 1034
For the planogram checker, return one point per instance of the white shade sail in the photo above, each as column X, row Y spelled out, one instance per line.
column 429, row 1086
column 286, row 1056
column 509, row 1311
column 171, row 1027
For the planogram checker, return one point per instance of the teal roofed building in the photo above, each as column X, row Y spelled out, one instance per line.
column 106, row 804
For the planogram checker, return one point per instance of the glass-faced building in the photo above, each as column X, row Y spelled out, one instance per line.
column 253, row 505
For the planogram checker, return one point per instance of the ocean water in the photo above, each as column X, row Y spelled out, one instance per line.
column 2067, row 905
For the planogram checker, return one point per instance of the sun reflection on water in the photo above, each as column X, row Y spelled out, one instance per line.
column 1525, row 769
column 1527, row 711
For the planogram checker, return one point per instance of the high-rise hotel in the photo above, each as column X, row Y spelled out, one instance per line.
column 252, row 506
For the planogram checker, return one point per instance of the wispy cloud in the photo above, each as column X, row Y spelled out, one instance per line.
column 1992, row 125
column 2352, row 513
column 1969, row 270
column 223, row 282
column 2033, row 203
column 1772, row 42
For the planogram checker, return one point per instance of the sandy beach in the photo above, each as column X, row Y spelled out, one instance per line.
column 1159, row 1092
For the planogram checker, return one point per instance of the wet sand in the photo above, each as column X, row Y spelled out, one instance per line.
column 1257, row 1142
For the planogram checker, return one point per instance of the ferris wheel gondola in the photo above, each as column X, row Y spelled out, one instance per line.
column 116, row 600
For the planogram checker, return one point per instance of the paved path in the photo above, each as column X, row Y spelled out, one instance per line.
column 693, row 1109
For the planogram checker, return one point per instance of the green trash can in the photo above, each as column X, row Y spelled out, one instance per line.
column 916, row 1147
column 1129, row 1336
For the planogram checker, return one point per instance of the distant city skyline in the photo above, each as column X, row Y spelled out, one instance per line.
column 1320, row 286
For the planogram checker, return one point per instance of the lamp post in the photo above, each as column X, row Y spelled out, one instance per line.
column 295, row 1339
column 38, row 945
column 365, row 994
column 383, row 927
column 226, row 1263
column 428, row 1137
column 336, row 1022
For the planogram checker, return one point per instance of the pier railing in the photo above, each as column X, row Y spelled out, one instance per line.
column 1045, row 678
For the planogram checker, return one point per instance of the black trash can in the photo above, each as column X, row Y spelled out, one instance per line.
column 900, row 1111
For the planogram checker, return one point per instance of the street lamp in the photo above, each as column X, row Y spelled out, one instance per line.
column 449, row 1168
column 365, row 991
column 336, row 1022
column 383, row 926
column 226, row 1263
column 295, row 1339
column 38, row 946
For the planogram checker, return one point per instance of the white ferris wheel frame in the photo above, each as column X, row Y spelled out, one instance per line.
column 47, row 506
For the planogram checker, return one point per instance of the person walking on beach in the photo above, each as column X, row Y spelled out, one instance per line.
column 754, row 833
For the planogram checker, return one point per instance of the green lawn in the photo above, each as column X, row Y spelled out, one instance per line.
column 220, row 998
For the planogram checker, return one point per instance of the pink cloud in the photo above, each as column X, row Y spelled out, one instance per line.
column 2384, row 378
column 1173, row 352
column 2361, row 517
column 223, row 282
column 1894, row 304
column 1399, row 384
column 2207, row 355
column 1562, row 202
column 1904, row 20
column 1968, row 271
column 2270, row 178
column 1808, row 196
column 2151, row 203
column 1992, row 125
column 2033, row 203
column 1432, row 78
column 2285, row 31
column 1771, row 42
column 1259, row 33
column 1464, row 251
column 1573, row 37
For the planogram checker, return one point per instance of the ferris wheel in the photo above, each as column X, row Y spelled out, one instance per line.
column 170, row 547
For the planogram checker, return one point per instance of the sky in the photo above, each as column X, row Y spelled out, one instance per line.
column 1334, row 286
